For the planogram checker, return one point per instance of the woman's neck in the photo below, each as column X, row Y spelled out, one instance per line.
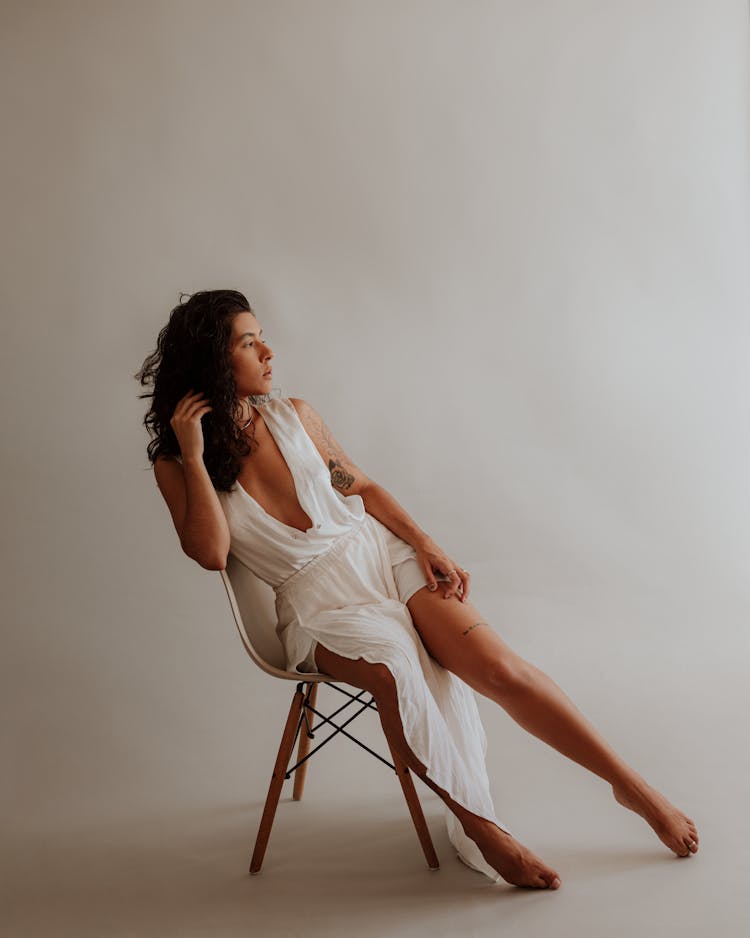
column 246, row 410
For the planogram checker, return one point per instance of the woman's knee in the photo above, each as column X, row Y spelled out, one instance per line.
column 383, row 683
column 377, row 679
column 506, row 673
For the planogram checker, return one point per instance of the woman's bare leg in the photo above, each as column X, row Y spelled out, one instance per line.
column 459, row 639
column 514, row 862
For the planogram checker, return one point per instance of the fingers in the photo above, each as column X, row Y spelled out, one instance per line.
column 431, row 582
column 457, row 581
column 201, row 409
column 459, row 585
column 464, row 584
column 454, row 582
column 192, row 396
column 191, row 403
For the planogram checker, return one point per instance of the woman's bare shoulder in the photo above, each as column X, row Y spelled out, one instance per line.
column 346, row 476
column 167, row 465
column 169, row 476
column 311, row 419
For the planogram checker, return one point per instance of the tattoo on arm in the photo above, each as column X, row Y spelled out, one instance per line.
column 341, row 478
column 473, row 627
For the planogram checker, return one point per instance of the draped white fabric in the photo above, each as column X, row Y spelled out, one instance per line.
column 335, row 585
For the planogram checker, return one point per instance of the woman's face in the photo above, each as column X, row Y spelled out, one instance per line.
column 250, row 356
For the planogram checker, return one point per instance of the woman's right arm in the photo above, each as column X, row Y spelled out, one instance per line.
column 189, row 493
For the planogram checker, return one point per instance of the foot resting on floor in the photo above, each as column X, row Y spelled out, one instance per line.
column 514, row 862
column 675, row 829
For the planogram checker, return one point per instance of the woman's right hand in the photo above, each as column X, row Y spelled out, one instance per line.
column 186, row 423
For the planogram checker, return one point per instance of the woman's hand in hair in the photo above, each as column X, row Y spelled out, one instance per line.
column 186, row 423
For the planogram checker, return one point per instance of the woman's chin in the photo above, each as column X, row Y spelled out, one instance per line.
column 264, row 388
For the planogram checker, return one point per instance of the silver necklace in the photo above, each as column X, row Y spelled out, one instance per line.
column 255, row 399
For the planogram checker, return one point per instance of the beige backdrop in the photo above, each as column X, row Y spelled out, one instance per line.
column 502, row 248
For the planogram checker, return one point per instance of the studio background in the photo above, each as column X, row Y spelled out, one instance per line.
column 502, row 248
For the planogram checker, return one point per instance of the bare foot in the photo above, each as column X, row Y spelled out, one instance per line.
column 514, row 862
column 673, row 828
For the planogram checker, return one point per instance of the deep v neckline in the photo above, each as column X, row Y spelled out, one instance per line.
column 283, row 524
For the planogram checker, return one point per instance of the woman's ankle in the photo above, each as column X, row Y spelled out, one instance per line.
column 478, row 828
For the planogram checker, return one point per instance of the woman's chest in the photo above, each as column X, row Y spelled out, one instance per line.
column 272, row 483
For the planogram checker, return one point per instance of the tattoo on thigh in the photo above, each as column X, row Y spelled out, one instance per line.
column 473, row 627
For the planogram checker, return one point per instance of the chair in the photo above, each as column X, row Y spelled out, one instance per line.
column 253, row 606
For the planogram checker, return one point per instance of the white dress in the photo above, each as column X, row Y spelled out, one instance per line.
column 344, row 583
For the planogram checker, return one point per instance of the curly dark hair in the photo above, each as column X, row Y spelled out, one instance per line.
column 192, row 351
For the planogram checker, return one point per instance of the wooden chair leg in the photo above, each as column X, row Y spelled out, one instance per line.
column 304, row 747
column 415, row 809
column 277, row 780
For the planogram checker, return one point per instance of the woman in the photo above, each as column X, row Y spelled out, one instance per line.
column 362, row 592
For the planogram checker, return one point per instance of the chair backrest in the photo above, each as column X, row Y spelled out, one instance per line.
column 253, row 604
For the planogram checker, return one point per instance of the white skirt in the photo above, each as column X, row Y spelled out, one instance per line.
column 347, row 599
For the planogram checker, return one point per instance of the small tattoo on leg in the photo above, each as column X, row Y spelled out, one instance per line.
column 473, row 627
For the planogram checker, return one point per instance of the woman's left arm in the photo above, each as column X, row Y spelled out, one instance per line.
column 349, row 479
column 382, row 505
